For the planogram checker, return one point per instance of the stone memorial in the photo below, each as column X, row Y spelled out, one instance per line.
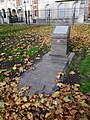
column 60, row 41
column 41, row 76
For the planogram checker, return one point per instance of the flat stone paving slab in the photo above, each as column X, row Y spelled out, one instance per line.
column 41, row 77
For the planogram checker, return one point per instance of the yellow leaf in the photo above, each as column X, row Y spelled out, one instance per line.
column 21, row 69
column 24, row 88
column 1, row 71
column 42, row 100
column 72, row 73
column 1, row 118
column 2, row 54
column 2, row 84
column 84, row 104
column 37, row 103
column 26, row 105
column 14, row 68
column 61, row 73
column 13, row 84
column 30, row 116
column 1, row 104
column 61, row 85
column 24, row 99
column 47, row 115
column 76, row 85
column 55, row 94
column 66, row 99
column 18, row 102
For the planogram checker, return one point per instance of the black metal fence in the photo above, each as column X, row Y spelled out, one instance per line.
column 44, row 17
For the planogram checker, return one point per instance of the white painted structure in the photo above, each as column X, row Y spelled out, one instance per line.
column 59, row 9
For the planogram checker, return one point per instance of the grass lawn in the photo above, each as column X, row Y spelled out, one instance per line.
column 22, row 46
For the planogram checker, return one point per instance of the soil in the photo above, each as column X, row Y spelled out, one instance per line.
column 74, row 78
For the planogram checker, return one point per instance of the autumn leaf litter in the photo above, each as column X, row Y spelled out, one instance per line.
column 67, row 103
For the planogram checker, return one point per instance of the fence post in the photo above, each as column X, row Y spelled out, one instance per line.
column 49, row 16
column 26, row 16
column 73, row 16
column 29, row 17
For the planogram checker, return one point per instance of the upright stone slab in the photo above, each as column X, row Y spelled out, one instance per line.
column 60, row 41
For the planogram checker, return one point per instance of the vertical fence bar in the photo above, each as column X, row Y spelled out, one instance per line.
column 49, row 16
column 73, row 16
column 29, row 17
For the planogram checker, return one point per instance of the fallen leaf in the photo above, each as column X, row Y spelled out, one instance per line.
column 13, row 84
column 30, row 116
column 59, row 111
column 73, row 112
column 24, row 99
column 21, row 69
column 66, row 99
column 84, row 104
column 2, row 84
column 1, row 118
column 47, row 115
column 61, row 85
column 26, row 105
column 2, row 105
column 55, row 94
column 72, row 73
column 14, row 67
column 37, row 103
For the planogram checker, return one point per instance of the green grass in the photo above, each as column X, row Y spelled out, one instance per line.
column 84, row 69
column 85, row 86
column 21, row 44
column 12, row 39
column 32, row 51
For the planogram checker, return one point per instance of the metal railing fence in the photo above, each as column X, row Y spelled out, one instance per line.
column 45, row 17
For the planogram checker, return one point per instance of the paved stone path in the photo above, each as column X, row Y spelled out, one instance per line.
column 41, row 77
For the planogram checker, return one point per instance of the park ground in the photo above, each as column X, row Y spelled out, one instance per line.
column 20, row 48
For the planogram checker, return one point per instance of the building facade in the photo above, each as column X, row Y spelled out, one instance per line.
column 19, row 10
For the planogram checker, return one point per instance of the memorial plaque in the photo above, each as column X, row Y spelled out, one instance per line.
column 60, row 41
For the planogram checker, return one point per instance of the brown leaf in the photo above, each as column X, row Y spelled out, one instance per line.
column 56, row 94
column 18, row 102
column 13, row 84
column 68, row 117
column 47, row 115
column 59, row 111
column 73, row 112
column 1, row 118
column 30, row 116
column 26, row 105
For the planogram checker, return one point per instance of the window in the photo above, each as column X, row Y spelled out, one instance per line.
column 4, row 14
column 47, row 11
column 76, row 9
column 61, row 10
